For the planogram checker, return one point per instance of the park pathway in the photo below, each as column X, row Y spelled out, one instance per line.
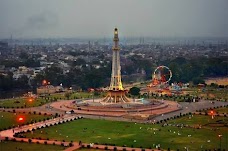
column 191, row 107
column 106, row 147
column 10, row 132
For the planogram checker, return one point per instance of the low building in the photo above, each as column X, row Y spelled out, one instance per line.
column 49, row 89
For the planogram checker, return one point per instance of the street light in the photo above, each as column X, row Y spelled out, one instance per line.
column 30, row 100
column 20, row 119
column 212, row 114
column 220, row 139
column 44, row 82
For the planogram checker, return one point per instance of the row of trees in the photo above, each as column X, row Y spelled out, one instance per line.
column 196, row 70
column 7, row 82
column 84, row 78
column 183, row 70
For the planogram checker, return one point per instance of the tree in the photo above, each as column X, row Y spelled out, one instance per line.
column 67, row 95
column 134, row 91
column 198, row 80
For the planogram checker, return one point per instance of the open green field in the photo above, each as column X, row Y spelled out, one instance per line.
column 205, row 121
column 222, row 110
column 11, row 119
column 16, row 146
column 87, row 149
column 209, row 93
column 22, row 103
column 74, row 95
column 140, row 135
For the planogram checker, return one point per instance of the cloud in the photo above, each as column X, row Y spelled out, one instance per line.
column 42, row 21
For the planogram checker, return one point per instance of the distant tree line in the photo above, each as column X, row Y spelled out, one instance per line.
column 7, row 83
column 196, row 70
column 184, row 70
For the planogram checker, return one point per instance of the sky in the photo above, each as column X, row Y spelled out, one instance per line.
column 98, row 18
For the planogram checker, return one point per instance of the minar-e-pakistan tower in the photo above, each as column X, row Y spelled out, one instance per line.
column 116, row 92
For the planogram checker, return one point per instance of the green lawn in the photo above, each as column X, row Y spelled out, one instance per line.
column 85, row 95
column 209, row 93
column 203, row 120
column 11, row 119
column 22, row 103
column 15, row 146
column 136, row 135
column 74, row 95
column 88, row 149
column 222, row 110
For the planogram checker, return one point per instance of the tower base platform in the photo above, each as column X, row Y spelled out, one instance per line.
column 116, row 97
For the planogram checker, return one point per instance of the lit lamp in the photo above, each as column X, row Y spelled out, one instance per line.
column 212, row 114
column 44, row 82
column 220, row 139
column 30, row 100
column 20, row 119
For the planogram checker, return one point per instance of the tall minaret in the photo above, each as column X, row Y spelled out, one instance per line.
column 116, row 83
column 116, row 92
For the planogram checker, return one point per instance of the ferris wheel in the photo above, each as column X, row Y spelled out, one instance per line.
column 161, row 75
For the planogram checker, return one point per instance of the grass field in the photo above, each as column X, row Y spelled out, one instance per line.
column 87, row 149
column 219, row 81
column 209, row 93
column 22, row 102
column 222, row 110
column 16, row 146
column 11, row 119
column 140, row 135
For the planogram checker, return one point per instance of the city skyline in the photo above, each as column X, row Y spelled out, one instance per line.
column 94, row 19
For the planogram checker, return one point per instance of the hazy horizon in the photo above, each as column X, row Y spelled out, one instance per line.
column 98, row 18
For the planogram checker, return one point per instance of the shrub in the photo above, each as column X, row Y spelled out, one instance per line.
column 45, row 142
column 106, row 148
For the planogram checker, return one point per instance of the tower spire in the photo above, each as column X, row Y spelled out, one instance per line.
column 116, row 83
column 116, row 93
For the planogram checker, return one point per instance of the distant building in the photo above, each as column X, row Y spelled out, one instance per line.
column 49, row 89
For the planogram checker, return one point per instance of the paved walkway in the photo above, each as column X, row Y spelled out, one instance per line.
column 75, row 145
column 186, row 108
column 191, row 107
column 10, row 132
